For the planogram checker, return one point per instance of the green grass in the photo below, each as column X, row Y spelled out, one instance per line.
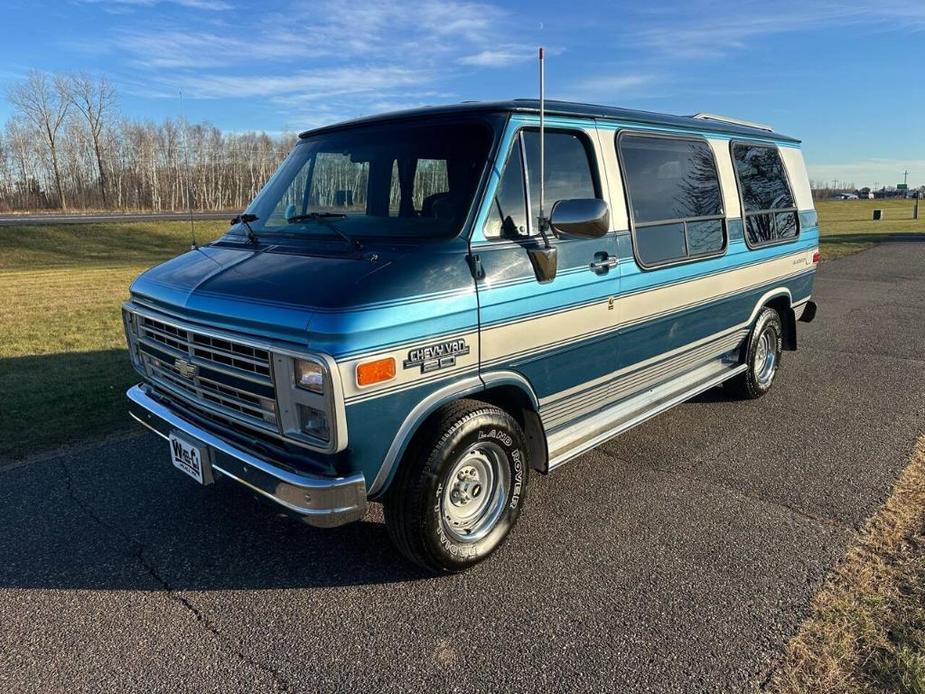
column 846, row 226
column 63, row 365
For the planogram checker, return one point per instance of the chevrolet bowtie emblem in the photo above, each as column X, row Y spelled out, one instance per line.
column 186, row 369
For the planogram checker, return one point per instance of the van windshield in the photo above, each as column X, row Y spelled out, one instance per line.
column 408, row 179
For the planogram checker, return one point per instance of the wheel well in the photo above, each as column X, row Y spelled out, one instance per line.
column 788, row 319
column 517, row 403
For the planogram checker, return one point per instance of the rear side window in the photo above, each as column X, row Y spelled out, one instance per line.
column 569, row 175
column 767, row 202
column 676, row 205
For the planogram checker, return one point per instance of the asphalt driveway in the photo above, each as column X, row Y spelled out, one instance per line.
column 680, row 557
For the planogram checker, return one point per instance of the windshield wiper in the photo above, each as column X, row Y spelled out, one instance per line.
column 246, row 219
column 323, row 219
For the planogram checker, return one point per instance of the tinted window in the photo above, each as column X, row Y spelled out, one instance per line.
column 430, row 179
column 408, row 179
column 764, row 228
column 508, row 214
column 568, row 176
column 762, row 180
column 765, row 191
column 661, row 243
column 705, row 237
column 676, row 204
column 568, row 169
column 670, row 179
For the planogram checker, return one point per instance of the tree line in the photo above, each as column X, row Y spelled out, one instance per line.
column 68, row 147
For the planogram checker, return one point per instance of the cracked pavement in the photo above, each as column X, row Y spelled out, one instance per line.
column 680, row 557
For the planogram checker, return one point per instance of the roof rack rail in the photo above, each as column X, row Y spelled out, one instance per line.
column 733, row 121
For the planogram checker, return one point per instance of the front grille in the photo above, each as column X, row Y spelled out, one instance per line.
column 232, row 380
column 217, row 351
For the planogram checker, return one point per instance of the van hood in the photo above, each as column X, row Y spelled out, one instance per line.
column 275, row 292
column 268, row 291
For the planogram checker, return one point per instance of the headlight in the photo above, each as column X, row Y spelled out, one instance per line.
column 309, row 375
column 131, row 334
column 314, row 423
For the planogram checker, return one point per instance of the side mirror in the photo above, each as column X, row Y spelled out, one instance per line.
column 545, row 263
column 585, row 218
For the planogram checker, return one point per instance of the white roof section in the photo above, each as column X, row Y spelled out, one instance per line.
column 733, row 121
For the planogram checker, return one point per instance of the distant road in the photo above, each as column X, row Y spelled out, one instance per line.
column 11, row 219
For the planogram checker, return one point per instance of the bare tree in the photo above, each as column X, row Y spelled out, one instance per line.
column 95, row 99
column 67, row 141
column 41, row 104
column 21, row 150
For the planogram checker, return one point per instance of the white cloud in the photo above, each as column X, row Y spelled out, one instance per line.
column 707, row 29
column 211, row 5
column 310, row 50
column 177, row 49
column 329, row 59
column 300, row 86
column 608, row 89
column 341, row 31
column 491, row 57
column 614, row 82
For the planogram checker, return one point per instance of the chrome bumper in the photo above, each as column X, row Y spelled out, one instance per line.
column 321, row 501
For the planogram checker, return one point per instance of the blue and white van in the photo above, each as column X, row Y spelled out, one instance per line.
column 396, row 317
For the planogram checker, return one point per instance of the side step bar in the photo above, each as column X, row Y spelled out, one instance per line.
column 584, row 435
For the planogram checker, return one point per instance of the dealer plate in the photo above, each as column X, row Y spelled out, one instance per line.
column 192, row 457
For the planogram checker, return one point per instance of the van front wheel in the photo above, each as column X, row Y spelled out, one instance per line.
column 460, row 488
column 762, row 357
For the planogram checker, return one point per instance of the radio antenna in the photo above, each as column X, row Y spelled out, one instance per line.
column 189, row 174
column 543, row 222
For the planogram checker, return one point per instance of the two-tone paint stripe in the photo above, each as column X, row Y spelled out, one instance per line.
column 412, row 377
column 529, row 338
column 513, row 340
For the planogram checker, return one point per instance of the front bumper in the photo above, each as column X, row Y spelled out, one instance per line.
column 320, row 501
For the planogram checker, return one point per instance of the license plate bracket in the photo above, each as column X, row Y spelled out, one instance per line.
column 192, row 457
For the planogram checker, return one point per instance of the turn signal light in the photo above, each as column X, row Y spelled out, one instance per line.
column 375, row 371
column 816, row 258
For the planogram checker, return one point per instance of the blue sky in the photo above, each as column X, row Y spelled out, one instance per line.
column 838, row 74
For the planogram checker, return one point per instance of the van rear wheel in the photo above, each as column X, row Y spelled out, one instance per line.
column 762, row 357
column 459, row 489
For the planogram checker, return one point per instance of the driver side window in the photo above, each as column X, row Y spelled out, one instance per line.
column 508, row 216
column 569, row 175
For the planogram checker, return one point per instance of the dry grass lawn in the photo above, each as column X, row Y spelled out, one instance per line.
column 866, row 632
column 63, row 365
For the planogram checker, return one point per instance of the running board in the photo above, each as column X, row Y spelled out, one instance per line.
column 584, row 435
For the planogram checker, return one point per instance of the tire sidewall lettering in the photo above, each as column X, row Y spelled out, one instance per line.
column 516, row 458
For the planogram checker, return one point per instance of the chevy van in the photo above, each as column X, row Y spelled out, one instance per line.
column 395, row 317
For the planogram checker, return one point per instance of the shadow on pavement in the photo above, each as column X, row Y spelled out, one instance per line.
column 120, row 517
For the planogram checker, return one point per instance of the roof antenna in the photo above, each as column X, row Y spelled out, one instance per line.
column 189, row 174
column 544, row 258
column 543, row 221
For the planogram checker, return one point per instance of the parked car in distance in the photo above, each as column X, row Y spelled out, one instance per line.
column 398, row 317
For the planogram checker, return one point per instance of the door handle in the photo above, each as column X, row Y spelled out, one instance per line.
column 604, row 262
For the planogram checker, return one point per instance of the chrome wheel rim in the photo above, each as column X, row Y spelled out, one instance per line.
column 475, row 492
column 765, row 362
